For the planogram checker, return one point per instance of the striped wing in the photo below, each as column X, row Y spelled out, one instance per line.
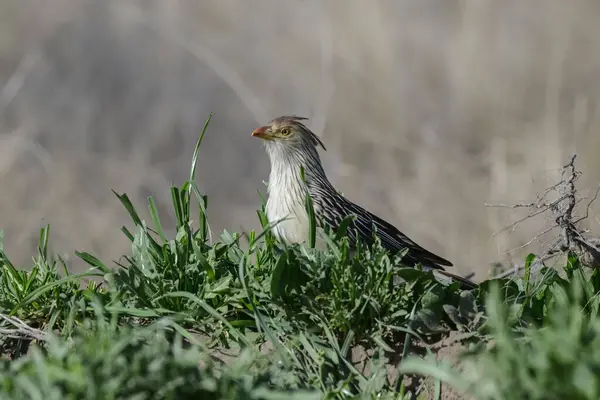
column 391, row 238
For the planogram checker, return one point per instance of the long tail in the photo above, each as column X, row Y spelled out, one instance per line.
column 465, row 284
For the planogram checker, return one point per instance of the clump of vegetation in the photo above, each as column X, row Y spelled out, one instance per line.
column 241, row 316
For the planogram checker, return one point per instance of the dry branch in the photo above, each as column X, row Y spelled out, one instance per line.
column 570, row 236
column 20, row 330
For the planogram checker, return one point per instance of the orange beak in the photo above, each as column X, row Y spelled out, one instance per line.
column 260, row 132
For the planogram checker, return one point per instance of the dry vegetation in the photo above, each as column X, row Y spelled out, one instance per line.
column 429, row 109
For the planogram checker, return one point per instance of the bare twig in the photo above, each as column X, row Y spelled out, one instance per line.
column 540, row 209
column 518, row 205
column 571, row 237
column 587, row 209
column 21, row 330
column 533, row 239
column 517, row 268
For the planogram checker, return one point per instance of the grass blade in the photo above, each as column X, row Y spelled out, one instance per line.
column 41, row 290
column 240, row 337
column 197, row 148
column 43, row 242
column 124, row 199
column 154, row 215
column 93, row 261
column 178, row 207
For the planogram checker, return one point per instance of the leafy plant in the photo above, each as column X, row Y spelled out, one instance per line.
column 243, row 316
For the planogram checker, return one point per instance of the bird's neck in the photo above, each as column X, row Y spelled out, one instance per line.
column 286, row 174
column 286, row 177
column 287, row 192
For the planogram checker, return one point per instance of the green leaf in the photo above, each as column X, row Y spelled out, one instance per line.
column 430, row 319
column 277, row 277
column 342, row 229
column 467, row 305
column 41, row 290
column 124, row 199
column 203, row 261
column 197, row 148
column 381, row 343
column 178, row 207
column 93, row 261
column 155, row 218
column 214, row 313
column 43, row 242
column 410, row 274
column 528, row 261
column 127, row 233
column 453, row 314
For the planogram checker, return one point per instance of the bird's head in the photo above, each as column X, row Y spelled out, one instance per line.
column 288, row 133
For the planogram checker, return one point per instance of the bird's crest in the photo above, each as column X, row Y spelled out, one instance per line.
column 295, row 120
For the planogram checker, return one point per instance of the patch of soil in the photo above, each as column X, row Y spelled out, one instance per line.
column 449, row 348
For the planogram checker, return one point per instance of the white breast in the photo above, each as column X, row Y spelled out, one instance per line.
column 287, row 194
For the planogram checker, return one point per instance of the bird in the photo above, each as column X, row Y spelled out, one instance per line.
column 292, row 148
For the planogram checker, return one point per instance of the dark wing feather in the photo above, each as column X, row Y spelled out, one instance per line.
column 392, row 239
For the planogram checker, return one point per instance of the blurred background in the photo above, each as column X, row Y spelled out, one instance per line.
column 429, row 109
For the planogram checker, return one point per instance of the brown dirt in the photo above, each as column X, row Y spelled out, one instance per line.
column 449, row 349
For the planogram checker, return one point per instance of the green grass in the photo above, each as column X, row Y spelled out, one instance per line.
column 241, row 316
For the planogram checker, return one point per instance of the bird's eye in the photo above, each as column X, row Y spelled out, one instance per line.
column 285, row 132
